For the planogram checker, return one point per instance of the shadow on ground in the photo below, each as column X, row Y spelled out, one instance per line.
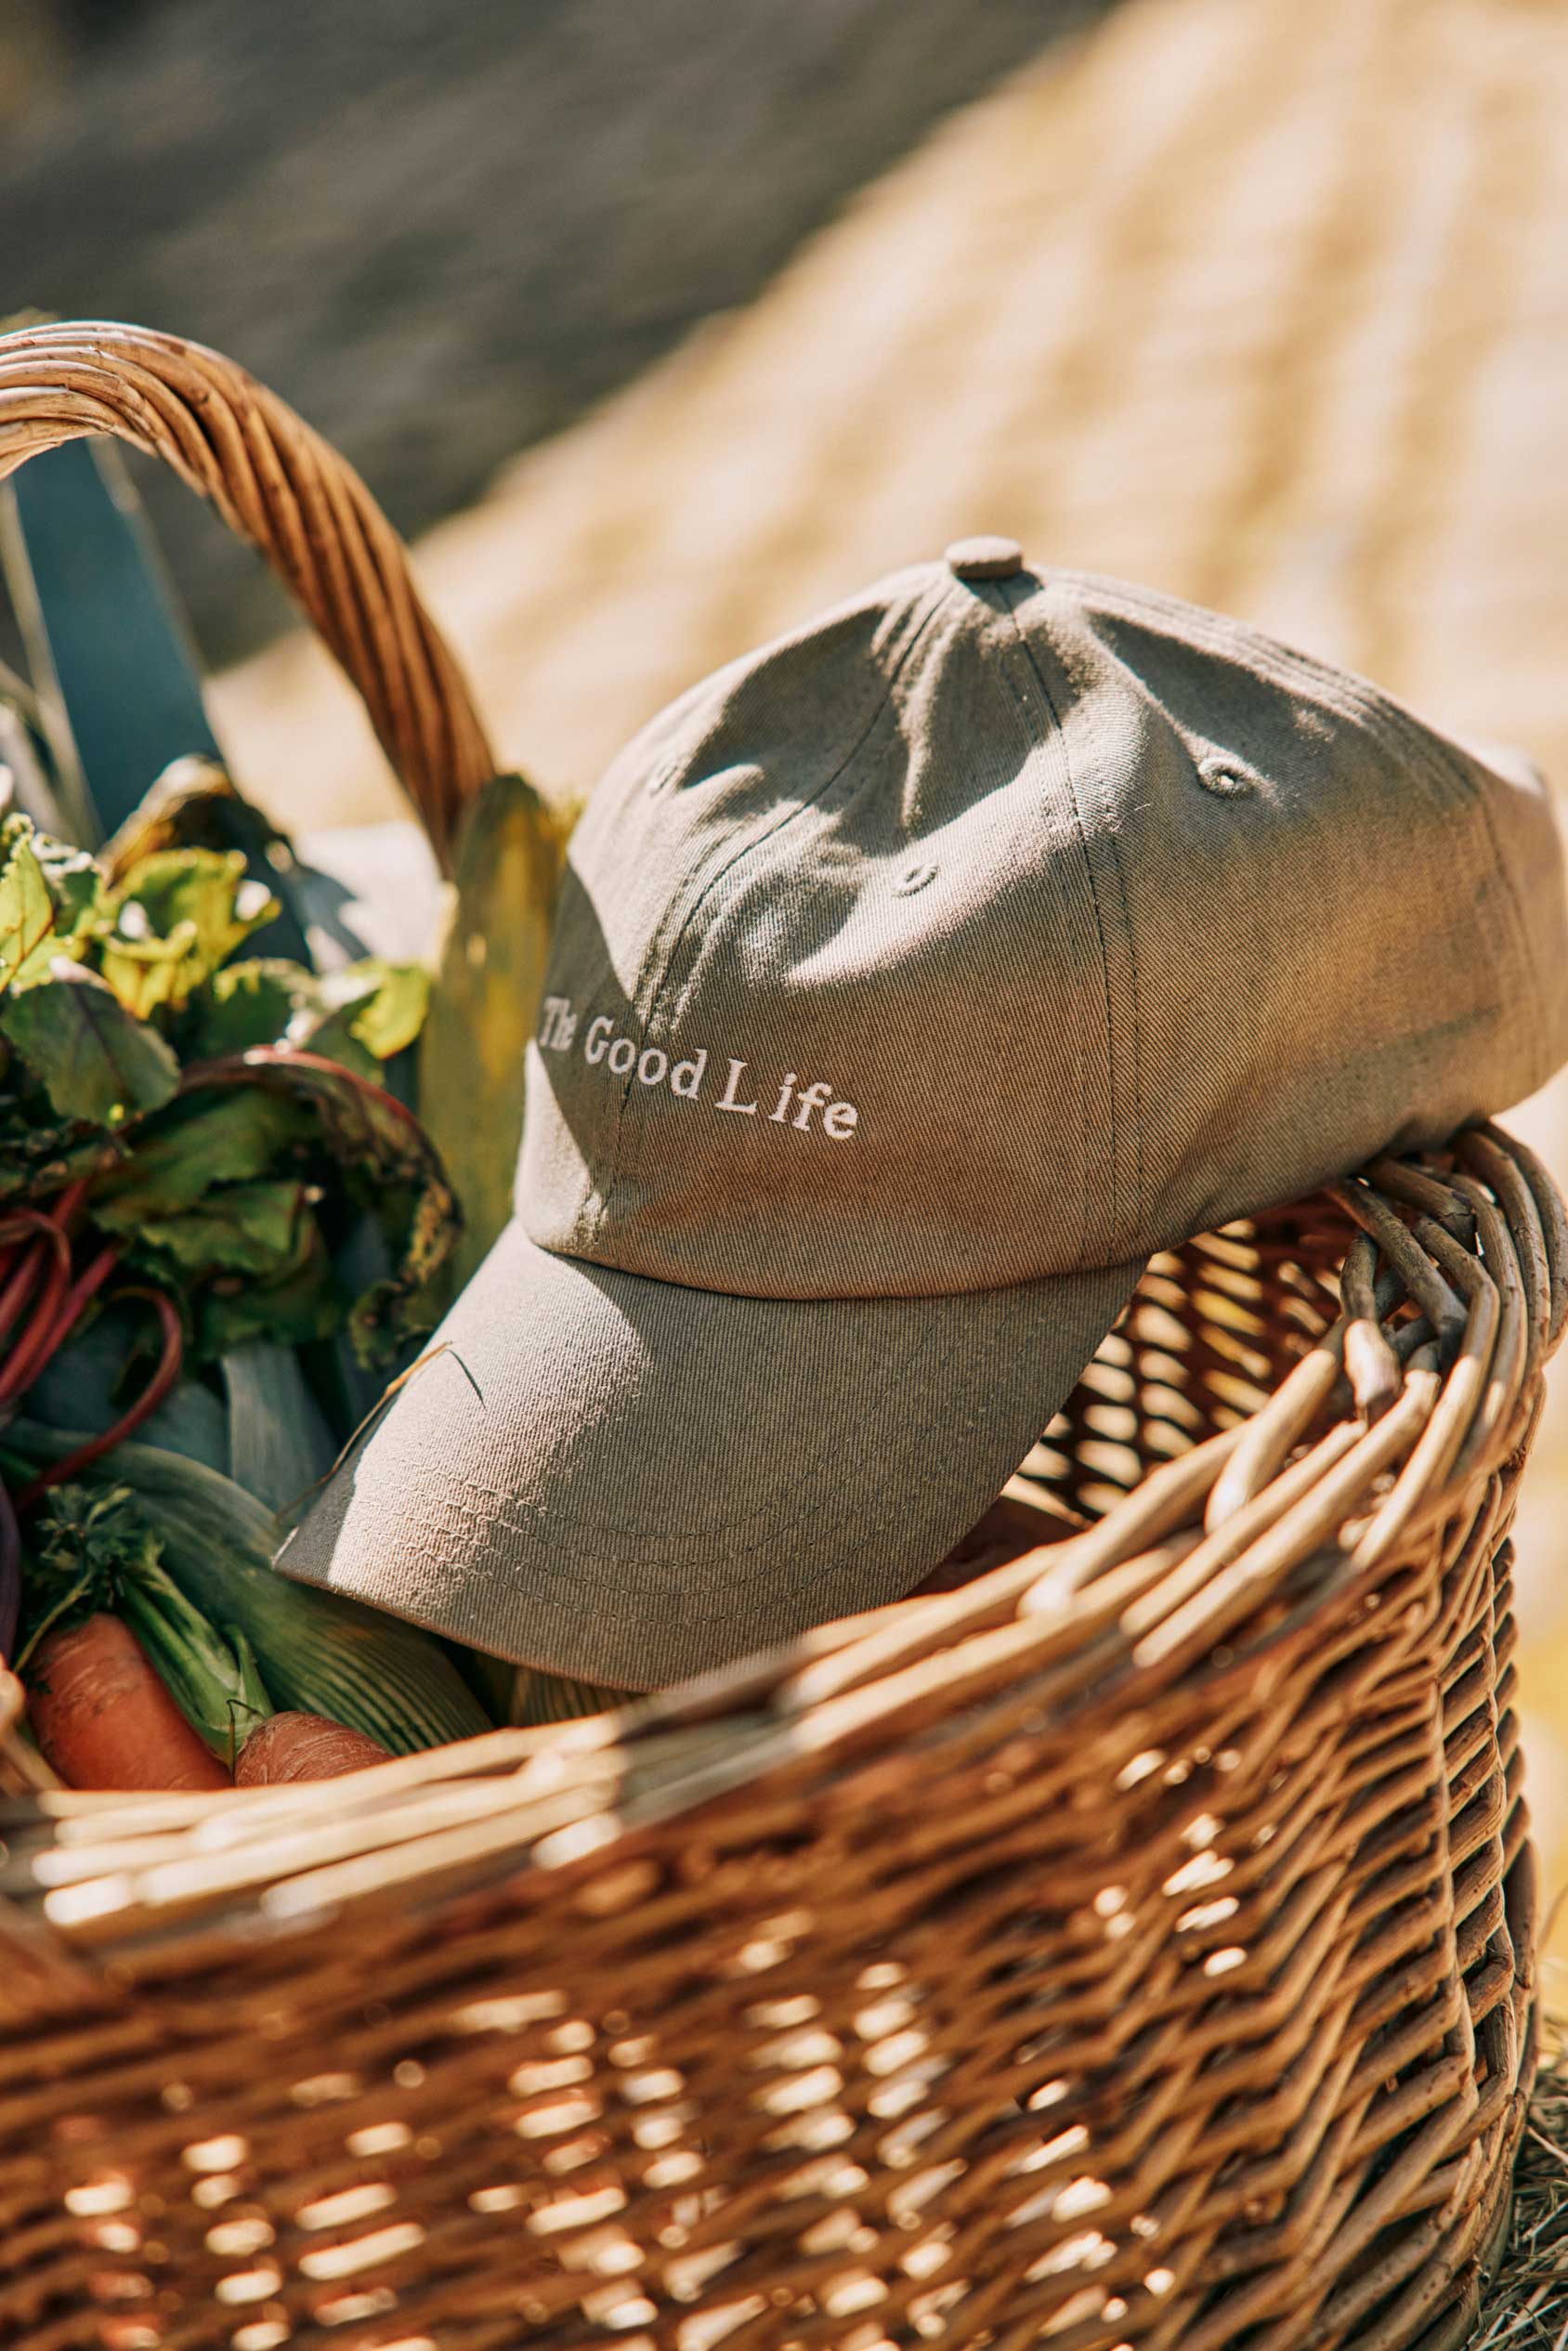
column 443, row 232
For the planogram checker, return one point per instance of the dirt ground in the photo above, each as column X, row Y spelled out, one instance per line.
column 1265, row 305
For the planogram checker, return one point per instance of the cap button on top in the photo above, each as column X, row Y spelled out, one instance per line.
column 983, row 559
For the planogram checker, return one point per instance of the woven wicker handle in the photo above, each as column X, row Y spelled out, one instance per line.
column 280, row 486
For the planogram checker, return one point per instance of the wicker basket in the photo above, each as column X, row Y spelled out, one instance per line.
column 1133, row 1947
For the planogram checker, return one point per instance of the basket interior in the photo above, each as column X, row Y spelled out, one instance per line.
column 1208, row 1335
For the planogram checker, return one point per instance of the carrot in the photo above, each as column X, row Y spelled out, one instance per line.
column 104, row 1719
column 302, row 1746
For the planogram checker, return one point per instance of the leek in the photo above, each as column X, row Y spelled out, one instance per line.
column 318, row 1651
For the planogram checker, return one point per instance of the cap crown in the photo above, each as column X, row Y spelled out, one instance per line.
column 995, row 927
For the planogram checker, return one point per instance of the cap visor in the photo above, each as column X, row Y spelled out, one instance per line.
column 628, row 1481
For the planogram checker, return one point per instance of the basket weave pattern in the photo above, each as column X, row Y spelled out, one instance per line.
column 1133, row 1947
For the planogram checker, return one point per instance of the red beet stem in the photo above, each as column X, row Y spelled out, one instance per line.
column 65, row 1205
column 25, row 1266
column 22, row 1264
column 11, row 1577
column 54, row 1319
column 151, row 1397
column 38, row 1342
column 235, row 1069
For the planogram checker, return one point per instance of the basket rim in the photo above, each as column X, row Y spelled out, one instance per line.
column 1474, row 1239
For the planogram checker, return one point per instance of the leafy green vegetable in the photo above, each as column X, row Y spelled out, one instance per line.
column 246, row 1004
column 234, row 1136
column 389, row 1163
column 226, row 1189
column 279, row 1444
column 316, row 1650
column 95, row 1547
column 28, row 915
column 203, row 1136
column 96, row 1062
column 194, row 805
column 382, row 1005
column 245, row 1228
column 176, row 915
column 303, row 1300
column 359, row 1014
column 50, row 896
column 75, row 884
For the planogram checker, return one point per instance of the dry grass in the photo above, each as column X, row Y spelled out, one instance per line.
column 1525, row 2305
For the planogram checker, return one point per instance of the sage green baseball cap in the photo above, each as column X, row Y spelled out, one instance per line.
column 914, row 980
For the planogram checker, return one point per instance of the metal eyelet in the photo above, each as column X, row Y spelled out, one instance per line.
column 1226, row 778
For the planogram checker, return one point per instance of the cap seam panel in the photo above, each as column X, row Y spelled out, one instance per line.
column 1009, row 599
column 936, row 596
column 1024, row 716
column 1284, row 665
column 671, row 928
column 1400, row 731
column 1217, row 633
column 1448, row 784
column 1436, row 754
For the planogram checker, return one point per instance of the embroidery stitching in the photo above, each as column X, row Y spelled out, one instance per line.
column 795, row 1108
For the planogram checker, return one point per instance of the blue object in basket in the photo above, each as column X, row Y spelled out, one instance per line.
column 97, row 608
column 114, row 665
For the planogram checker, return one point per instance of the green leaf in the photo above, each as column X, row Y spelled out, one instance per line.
column 213, row 1138
column 360, row 1015
column 239, row 1228
column 387, row 1161
column 194, row 805
column 177, row 915
column 246, row 1004
column 485, row 1008
column 302, row 1302
column 75, row 884
column 49, row 894
column 383, row 1005
column 297, row 1312
column 94, row 1059
column 28, row 916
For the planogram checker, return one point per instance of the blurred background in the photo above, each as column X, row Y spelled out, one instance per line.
column 658, row 324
